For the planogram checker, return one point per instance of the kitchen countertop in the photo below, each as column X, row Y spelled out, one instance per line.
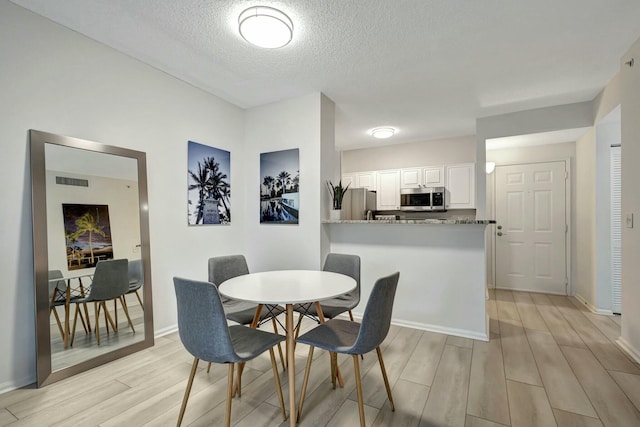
column 411, row 221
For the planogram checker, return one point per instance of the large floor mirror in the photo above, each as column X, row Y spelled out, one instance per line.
column 91, row 254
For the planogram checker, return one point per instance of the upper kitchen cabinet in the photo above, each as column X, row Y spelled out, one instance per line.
column 360, row 180
column 461, row 186
column 388, row 190
column 427, row 176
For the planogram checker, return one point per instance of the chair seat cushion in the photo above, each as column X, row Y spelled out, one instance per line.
column 249, row 343
column 242, row 312
column 336, row 335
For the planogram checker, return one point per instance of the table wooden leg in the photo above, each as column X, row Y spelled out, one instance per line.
column 290, row 366
column 331, row 356
column 254, row 324
column 67, row 305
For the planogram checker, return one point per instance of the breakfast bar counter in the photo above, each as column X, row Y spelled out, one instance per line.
column 442, row 264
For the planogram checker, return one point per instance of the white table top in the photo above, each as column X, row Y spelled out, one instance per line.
column 287, row 286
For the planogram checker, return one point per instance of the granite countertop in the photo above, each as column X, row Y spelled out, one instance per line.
column 411, row 221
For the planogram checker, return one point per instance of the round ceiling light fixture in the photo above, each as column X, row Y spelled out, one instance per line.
column 264, row 26
column 383, row 132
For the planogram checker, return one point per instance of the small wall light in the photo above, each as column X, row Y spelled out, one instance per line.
column 490, row 166
column 265, row 26
column 383, row 133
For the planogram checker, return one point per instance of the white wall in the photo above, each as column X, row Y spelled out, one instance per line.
column 630, row 96
column 428, row 153
column 56, row 80
column 532, row 154
column 293, row 123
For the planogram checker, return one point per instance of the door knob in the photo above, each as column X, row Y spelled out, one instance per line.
column 499, row 227
column 499, row 233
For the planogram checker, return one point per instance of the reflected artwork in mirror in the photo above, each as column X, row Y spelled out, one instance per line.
column 91, row 254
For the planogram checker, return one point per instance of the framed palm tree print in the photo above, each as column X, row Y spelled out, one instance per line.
column 280, row 187
column 208, row 185
column 87, row 235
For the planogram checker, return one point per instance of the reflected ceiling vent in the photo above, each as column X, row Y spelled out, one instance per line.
column 63, row 180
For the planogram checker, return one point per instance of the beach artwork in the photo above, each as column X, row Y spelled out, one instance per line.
column 208, row 188
column 87, row 235
column 280, row 187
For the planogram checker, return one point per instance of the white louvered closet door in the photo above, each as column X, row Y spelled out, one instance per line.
column 616, row 230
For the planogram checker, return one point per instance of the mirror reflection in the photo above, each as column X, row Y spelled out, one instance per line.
column 92, row 216
column 91, row 259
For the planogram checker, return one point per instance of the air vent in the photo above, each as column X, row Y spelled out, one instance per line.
column 63, row 180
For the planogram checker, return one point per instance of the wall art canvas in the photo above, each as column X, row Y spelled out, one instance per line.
column 87, row 235
column 280, row 187
column 208, row 187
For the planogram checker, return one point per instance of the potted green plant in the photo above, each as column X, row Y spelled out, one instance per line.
column 337, row 193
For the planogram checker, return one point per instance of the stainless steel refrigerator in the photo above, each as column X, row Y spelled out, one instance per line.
column 357, row 202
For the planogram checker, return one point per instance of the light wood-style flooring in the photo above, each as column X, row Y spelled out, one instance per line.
column 549, row 362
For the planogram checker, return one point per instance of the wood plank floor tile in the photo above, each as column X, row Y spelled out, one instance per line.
column 410, row 399
column 605, row 324
column 506, row 305
column 540, row 299
column 348, row 415
column 617, row 318
column 7, row 417
column 519, row 363
column 528, row 312
column 610, row 402
column 487, row 386
column 264, row 415
column 630, row 384
column 562, row 331
column 421, row 366
column 569, row 419
column 529, row 405
column 460, row 341
column 479, row 422
column 447, row 402
column 562, row 386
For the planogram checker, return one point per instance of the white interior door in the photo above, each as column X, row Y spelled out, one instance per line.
column 531, row 227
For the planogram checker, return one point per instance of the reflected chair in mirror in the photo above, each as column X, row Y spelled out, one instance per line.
column 227, row 267
column 59, row 294
column 349, row 265
column 355, row 339
column 136, row 280
column 204, row 332
column 110, row 282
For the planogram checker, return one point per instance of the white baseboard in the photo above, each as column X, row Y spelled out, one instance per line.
column 16, row 384
column 629, row 349
column 592, row 308
column 165, row 331
column 533, row 291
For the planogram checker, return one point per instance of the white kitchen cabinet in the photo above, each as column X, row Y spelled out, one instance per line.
column 461, row 186
column 433, row 176
column 410, row 178
column 366, row 180
column 388, row 190
column 349, row 178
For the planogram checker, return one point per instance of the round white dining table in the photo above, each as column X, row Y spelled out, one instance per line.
column 288, row 287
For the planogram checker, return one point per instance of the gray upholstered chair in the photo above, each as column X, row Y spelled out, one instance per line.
column 345, row 337
column 205, row 334
column 222, row 268
column 57, row 296
column 136, row 279
column 349, row 265
column 110, row 282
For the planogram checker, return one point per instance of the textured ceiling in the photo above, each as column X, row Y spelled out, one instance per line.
column 427, row 67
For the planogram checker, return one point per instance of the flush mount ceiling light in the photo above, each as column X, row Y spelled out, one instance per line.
column 266, row 27
column 383, row 133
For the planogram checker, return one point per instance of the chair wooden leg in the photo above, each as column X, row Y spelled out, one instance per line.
column 238, row 387
column 55, row 314
column 351, row 316
column 275, row 329
column 227, row 415
column 298, row 325
column 276, row 375
column 140, row 300
column 86, row 315
column 96, row 309
column 356, row 373
column 75, row 319
column 333, row 357
column 209, row 367
column 115, row 311
column 126, row 312
column 107, row 317
column 194, row 368
column 386, row 380
column 303, row 391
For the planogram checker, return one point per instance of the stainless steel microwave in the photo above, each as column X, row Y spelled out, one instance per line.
column 422, row 199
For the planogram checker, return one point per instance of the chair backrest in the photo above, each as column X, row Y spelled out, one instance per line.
column 348, row 265
column 59, row 285
column 377, row 315
column 110, row 280
column 136, row 273
column 202, row 324
column 222, row 268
